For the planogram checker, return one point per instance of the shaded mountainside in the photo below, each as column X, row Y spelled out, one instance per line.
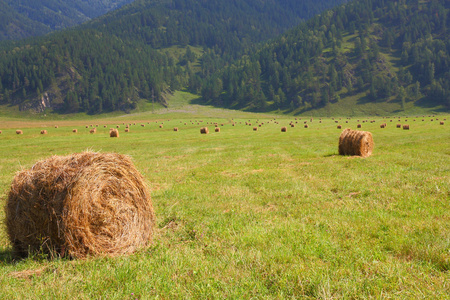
column 376, row 51
column 111, row 63
column 26, row 18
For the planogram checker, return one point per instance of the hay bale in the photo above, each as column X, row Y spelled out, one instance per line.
column 306, row 126
column 93, row 130
column 161, row 126
column 0, row 132
column 75, row 130
column 283, row 129
column 127, row 130
column 19, row 132
column 339, row 127
column 217, row 129
column 44, row 131
column 255, row 128
column 399, row 125
column 114, row 133
column 353, row 142
column 80, row 205
column 118, row 126
column 175, row 129
column 204, row 130
column 406, row 127
column 359, row 125
column 440, row 123
column 56, row 126
column 383, row 125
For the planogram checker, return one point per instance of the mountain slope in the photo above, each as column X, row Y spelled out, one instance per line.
column 111, row 63
column 25, row 18
column 374, row 50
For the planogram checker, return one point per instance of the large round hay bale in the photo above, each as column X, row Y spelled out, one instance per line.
column 93, row 130
column 80, row 205
column 406, row 127
column 19, row 131
column 44, row 131
column 217, row 129
column 204, row 130
column 127, row 130
column 255, row 128
column 175, row 129
column 354, row 142
column 75, row 130
column 283, row 129
column 114, row 133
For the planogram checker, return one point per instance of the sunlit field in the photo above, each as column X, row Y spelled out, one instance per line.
column 255, row 214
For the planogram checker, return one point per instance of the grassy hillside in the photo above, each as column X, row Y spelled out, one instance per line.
column 262, row 214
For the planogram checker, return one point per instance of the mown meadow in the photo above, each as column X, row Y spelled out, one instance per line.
column 255, row 214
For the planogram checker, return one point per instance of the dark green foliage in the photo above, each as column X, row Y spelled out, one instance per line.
column 310, row 62
column 111, row 63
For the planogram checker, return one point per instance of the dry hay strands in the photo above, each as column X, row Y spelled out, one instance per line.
column 80, row 205
column 283, row 129
column 19, row 132
column 406, row 127
column 204, row 130
column 114, row 133
column 75, row 130
column 175, row 129
column 217, row 129
column 353, row 142
column 44, row 131
column 93, row 130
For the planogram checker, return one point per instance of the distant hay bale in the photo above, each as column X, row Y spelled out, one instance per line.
column 87, row 126
column 204, row 130
column 217, row 129
column 358, row 126
column 19, row 131
column 142, row 125
column 255, row 128
column 283, row 129
column 56, row 126
column 161, row 126
column 306, row 126
column 80, row 205
column 339, row 127
column 93, row 130
column 175, row 129
column 0, row 132
column 114, row 133
column 406, row 127
column 383, row 125
column 127, row 130
column 399, row 125
column 75, row 130
column 292, row 125
column 104, row 126
column 440, row 123
column 118, row 126
column 44, row 131
column 353, row 142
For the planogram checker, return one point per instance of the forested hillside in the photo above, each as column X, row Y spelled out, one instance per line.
column 141, row 51
column 25, row 18
column 376, row 50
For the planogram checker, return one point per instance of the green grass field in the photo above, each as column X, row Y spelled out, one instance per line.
column 255, row 214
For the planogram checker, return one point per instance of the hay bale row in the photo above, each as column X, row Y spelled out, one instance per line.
column 80, row 205
column 353, row 142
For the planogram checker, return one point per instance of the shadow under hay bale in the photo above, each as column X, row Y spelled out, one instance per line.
column 80, row 205
column 204, row 130
column 353, row 142
column 114, row 133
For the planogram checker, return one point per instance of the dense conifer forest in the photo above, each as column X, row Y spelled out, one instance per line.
column 236, row 54
column 381, row 50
